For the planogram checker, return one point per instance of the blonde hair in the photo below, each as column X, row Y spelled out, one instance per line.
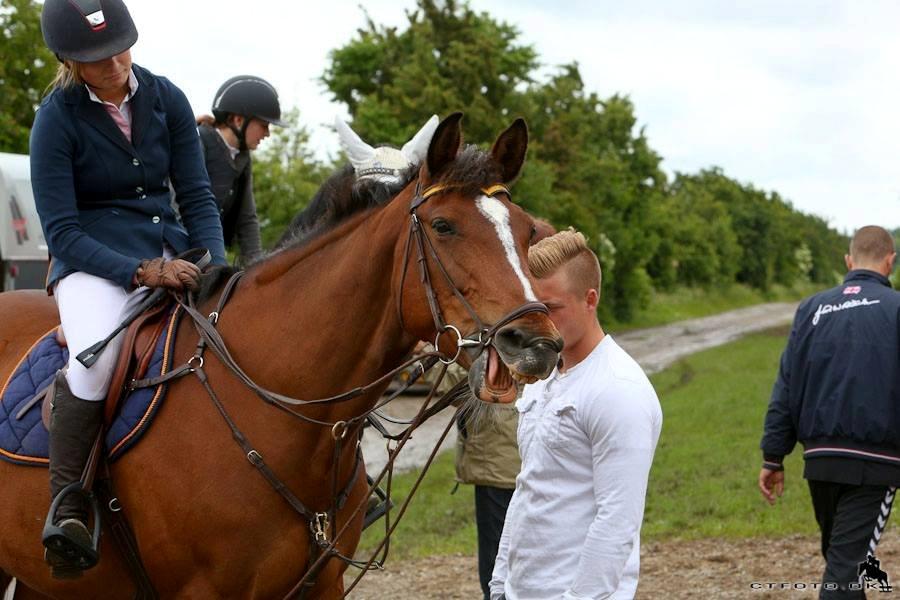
column 67, row 76
column 568, row 248
column 871, row 244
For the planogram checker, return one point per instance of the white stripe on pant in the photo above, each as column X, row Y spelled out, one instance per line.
column 881, row 521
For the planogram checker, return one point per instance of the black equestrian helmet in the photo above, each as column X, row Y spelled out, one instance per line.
column 87, row 30
column 248, row 96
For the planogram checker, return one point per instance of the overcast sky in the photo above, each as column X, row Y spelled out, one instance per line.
column 800, row 97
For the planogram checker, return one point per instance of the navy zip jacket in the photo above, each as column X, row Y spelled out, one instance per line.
column 838, row 387
column 104, row 202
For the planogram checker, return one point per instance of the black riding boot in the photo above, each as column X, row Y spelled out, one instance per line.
column 74, row 424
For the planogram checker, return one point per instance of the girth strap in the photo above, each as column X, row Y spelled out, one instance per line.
column 124, row 536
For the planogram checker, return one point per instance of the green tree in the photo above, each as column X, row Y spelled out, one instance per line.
column 447, row 58
column 285, row 177
column 600, row 175
column 698, row 245
column 587, row 166
column 27, row 68
column 769, row 233
column 826, row 248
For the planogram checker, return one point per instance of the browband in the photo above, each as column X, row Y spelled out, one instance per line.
column 442, row 187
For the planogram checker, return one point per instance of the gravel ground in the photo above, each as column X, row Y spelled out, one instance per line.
column 672, row 569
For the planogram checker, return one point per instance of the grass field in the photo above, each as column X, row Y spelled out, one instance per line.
column 703, row 481
column 690, row 303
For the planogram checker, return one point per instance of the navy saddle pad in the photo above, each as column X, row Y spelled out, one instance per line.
column 23, row 437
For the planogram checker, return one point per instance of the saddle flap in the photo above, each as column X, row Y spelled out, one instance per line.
column 134, row 356
column 45, row 403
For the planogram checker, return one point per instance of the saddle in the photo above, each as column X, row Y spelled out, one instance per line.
column 134, row 357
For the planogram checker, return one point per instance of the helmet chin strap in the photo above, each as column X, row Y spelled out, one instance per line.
column 240, row 134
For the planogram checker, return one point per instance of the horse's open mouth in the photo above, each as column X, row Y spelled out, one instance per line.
column 501, row 384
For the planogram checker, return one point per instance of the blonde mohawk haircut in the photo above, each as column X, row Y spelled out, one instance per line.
column 566, row 248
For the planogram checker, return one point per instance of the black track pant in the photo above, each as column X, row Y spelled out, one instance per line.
column 851, row 519
column 490, row 512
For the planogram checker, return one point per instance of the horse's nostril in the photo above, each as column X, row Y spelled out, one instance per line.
column 513, row 338
column 554, row 344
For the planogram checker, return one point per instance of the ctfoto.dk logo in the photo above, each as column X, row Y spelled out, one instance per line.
column 871, row 569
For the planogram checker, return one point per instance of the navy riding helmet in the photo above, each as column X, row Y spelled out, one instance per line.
column 248, row 96
column 87, row 30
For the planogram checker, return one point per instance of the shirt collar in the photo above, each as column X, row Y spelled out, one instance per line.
column 601, row 345
column 231, row 149
column 857, row 274
column 132, row 90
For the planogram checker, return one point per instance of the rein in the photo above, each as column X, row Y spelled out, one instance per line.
column 322, row 523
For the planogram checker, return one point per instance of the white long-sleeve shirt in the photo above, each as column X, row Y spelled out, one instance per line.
column 587, row 438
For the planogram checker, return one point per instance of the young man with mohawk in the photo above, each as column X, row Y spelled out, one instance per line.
column 586, row 435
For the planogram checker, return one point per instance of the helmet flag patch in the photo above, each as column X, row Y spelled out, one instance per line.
column 96, row 20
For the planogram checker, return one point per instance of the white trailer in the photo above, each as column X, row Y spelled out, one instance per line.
column 23, row 249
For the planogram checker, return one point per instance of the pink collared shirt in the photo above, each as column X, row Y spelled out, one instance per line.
column 121, row 114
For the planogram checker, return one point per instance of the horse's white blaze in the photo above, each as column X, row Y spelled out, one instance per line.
column 496, row 213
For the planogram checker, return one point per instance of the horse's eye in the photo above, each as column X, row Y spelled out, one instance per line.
column 532, row 235
column 442, row 227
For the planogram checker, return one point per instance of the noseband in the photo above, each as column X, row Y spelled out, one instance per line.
column 483, row 336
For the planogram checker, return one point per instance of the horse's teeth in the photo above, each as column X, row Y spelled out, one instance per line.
column 521, row 378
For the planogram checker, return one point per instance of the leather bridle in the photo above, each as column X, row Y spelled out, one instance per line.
column 483, row 335
column 323, row 540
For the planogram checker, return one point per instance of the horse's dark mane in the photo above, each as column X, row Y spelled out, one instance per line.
column 342, row 196
column 472, row 170
column 213, row 279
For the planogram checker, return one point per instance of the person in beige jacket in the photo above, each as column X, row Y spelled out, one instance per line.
column 487, row 456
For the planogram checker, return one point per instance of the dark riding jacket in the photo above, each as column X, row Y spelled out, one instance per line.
column 232, row 185
column 104, row 202
column 838, row 386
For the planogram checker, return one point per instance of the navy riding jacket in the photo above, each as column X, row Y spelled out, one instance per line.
column 104, row 202
column 838, row 387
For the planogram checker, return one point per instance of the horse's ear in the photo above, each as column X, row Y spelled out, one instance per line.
column 357, row 150
column 509, row 149
column 415, row 149
column 445, row 144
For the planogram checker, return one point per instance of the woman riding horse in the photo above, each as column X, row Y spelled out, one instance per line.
column 106, row 142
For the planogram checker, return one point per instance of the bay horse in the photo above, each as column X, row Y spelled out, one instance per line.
column 312, row 320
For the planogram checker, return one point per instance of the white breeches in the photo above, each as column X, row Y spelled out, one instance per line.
column 90, row 308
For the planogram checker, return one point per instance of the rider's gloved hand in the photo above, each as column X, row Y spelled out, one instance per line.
column 176, row 274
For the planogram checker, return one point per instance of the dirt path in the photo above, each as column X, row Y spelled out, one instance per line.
column 669, row 570
column 654, row 348
column 658, row 347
